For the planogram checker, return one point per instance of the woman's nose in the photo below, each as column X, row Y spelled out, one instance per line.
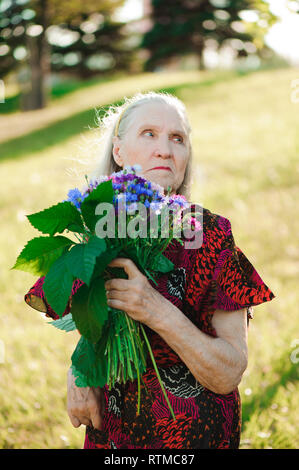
column 163, row 148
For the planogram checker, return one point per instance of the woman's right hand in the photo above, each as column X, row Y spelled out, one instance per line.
column 85, row 405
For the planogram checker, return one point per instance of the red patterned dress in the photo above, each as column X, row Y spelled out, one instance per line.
column 215, row 276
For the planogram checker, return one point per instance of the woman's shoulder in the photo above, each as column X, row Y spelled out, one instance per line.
column 215, row 227
column 212, row 220
column 222, row 270
column 212, row 237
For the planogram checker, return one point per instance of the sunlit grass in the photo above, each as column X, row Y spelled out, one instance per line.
column 246, row 144
column 81, row 101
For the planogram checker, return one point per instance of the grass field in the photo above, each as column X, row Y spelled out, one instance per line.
column 246, row 145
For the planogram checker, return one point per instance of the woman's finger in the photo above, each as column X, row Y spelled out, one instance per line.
column 75, row 421
column 96, row 419
column 85, row 420
column 118, row 304
column 119, row 284
column 117, row 295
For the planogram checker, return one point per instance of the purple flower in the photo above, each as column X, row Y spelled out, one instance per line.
column 131, row 188
column 179, row 200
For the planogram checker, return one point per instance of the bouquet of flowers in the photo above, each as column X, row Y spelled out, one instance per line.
column 113, row 346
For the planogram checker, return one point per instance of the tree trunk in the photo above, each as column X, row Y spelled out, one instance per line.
column 39, row 64
column 198, row 45
column 200, row 59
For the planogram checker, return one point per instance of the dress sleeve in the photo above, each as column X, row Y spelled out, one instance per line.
column 35, row 297
column 238, row 284
column 221, row 277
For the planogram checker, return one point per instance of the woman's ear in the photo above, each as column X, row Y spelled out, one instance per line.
column 116, row 151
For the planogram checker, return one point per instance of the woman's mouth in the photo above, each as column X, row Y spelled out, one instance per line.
column 167, row 168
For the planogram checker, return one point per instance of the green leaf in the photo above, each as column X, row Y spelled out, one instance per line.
column 40, row 253
column 58, row 284
column 89, row 364
column 75, row 261
column 162, row 264
column 94, row 248
column 82, row 258
column 65, row 323
column 58, row 218
column 90, row 309
column 103, row 260
column 103, row 193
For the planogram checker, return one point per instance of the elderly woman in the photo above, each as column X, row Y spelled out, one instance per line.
column 196, row 318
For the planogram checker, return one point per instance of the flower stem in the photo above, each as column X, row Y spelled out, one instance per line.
column 157, row 372
column 136, row 363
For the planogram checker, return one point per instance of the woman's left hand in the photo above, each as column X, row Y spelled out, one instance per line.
column 134, row 295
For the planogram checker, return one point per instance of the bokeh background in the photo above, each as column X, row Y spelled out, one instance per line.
column 235, row 65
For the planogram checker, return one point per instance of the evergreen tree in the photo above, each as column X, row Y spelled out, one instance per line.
column 182, row 27
column 25, row 27
column 99, row 46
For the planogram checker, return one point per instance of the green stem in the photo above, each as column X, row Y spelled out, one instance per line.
column 115, row 362
column 140, row 346
column 130, row 372
column 157, row 372
column 108, row 360
column 119, row 348
column 136, row 363
column 124, row 370
column 76, row 236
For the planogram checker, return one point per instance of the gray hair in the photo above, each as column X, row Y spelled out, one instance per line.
column 108, row 123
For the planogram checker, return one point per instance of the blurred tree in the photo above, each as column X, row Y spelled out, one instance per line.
column 95, row 45
column 29, row 27
column 182, row 27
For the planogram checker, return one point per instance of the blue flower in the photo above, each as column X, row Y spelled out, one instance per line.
column 75, row 196
column 138, row 188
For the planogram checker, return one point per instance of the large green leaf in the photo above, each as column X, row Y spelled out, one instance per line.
column 82, row 258
column 58, row 284
column 58, row 218
column 75, row 261
column 103, row 260
column 90, row 309
column 102, row 193
column 39, row 254
column 65, row 323
column 89, row 364
column 94, row 248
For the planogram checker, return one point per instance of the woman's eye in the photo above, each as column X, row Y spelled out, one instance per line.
column 176, row 136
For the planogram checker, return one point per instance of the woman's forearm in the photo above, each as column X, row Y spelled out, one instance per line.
column 214, row 362
column 217, row 364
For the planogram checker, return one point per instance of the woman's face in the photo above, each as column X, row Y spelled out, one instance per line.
column 157, row 140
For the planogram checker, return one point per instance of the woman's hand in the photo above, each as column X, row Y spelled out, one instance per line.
column 216, row 362
column 85, row 405
column 134, row 295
